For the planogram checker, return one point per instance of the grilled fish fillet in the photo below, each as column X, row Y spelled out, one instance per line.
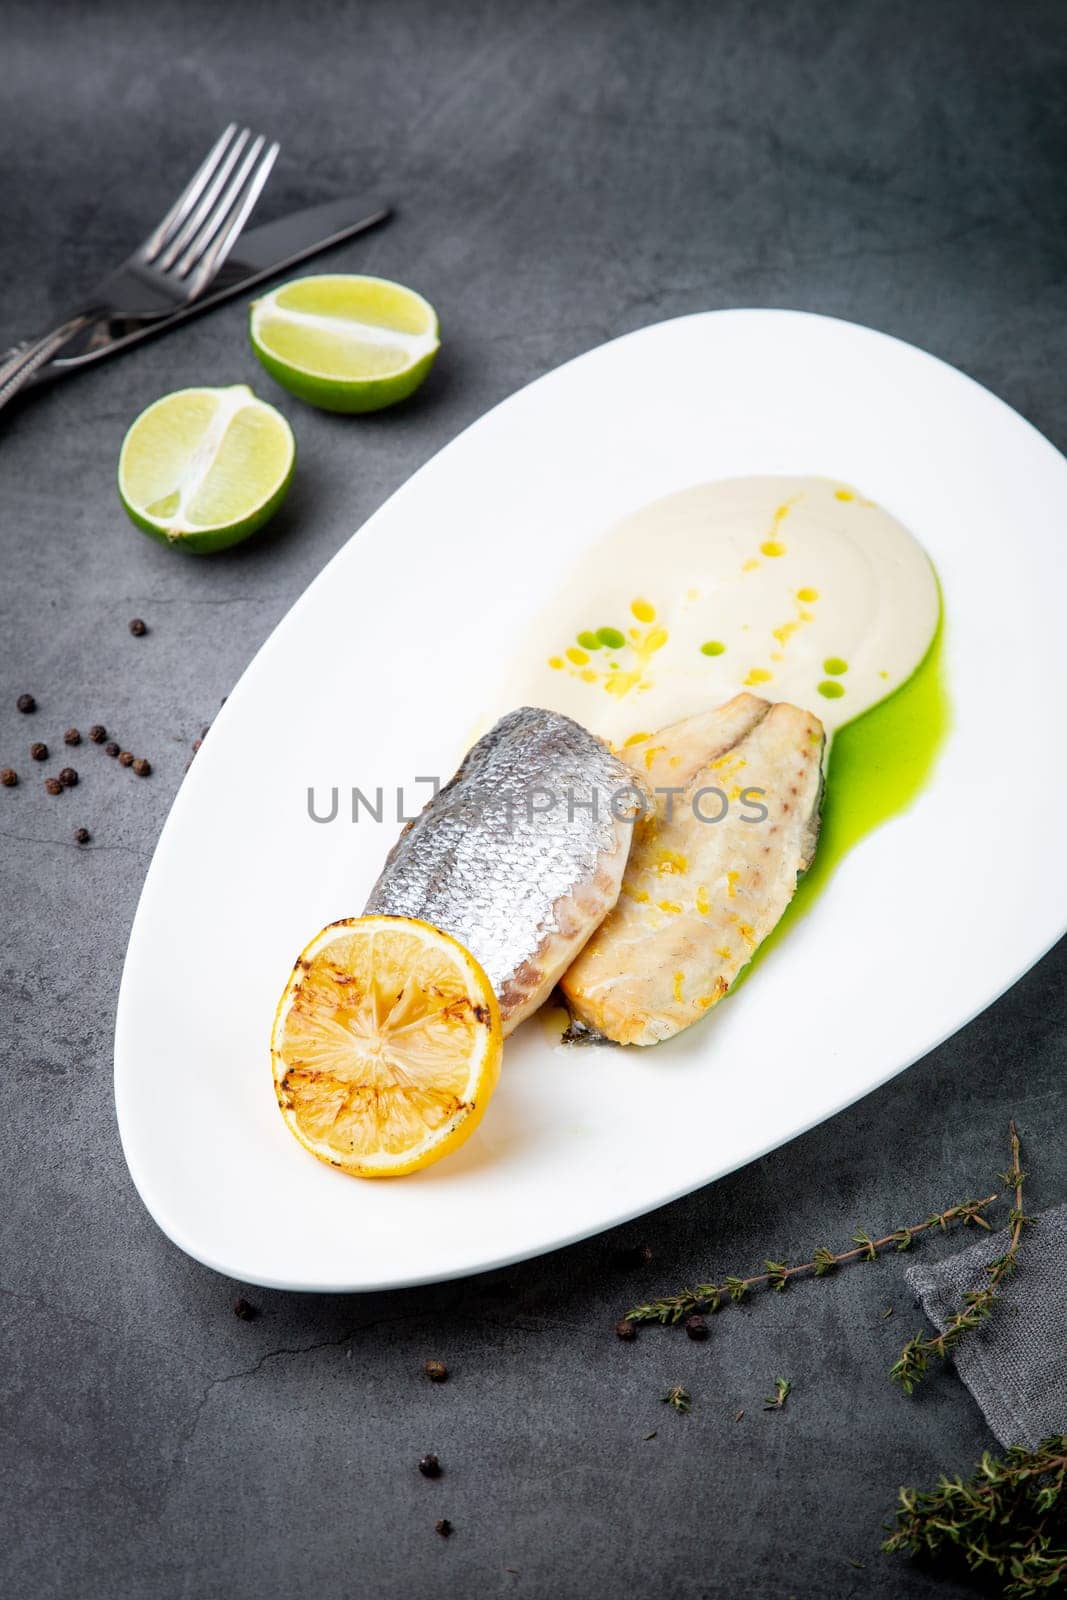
column 521, row 855
column 699, row 896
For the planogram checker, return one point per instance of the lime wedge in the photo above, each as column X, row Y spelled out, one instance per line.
column 204, row 468
column 345, row 343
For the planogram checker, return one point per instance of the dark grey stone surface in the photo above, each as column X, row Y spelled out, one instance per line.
column 564, row 173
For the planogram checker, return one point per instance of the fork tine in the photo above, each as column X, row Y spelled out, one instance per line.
column 189, row 195
column 221, row 211
column 206, row 205
column 219, row 249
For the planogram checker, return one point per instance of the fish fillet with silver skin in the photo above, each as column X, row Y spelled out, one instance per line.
column 520, row 856
column 700, row 895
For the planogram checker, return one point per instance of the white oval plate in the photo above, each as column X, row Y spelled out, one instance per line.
column 380, row 670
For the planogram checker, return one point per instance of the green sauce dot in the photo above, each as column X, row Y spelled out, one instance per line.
column 714, row 647
column 835, row 666
column 831, row 690
column 589, row 641
column 611, row 637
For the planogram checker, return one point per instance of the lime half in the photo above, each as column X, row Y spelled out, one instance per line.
column 204, row 468
column 345, row 343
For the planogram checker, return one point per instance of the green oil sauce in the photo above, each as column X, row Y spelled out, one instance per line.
column 878, row 765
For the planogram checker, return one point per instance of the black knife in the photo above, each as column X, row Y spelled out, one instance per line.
column 259, row 254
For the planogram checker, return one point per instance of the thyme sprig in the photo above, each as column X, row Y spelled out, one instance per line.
column 913, row 1363
column 678, row 1398
column 710, row 1297
column 1011, row 1515
column 782, row 1390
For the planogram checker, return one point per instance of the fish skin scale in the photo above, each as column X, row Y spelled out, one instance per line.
column 521, row 889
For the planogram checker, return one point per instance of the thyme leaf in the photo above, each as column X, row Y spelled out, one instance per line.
column 782, row 1390
column 677, row 1397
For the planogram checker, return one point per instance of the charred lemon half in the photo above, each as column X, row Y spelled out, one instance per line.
column 386, row 1046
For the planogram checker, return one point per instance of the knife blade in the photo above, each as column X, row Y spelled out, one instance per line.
column 259, row 254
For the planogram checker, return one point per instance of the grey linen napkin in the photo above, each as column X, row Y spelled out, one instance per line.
column 1015, row 1364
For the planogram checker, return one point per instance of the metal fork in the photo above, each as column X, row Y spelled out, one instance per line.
column 177, row 261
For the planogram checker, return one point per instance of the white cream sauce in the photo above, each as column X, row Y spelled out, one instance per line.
column 796, row 589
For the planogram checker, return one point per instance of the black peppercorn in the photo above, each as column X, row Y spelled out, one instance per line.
column 436, row 1371
column 39, row 751
column 111, row 749
column 696, row 1326
column 142, row 767
column 137, row 627
column 430, row 1467
column 243, row 1309
column 68, row 777
column 125, row 758
column 82, row 836
column 53, row 786
column 634, row 1255
column 9, row 777
column 626, row 1330
column 72, row 736
column 98, row 733
column 443, row 1527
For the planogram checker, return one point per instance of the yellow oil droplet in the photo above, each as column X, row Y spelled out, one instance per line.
column 579, row 657
column 776, row 655
column 772, row 547
column 651, row 754
column 635, row 738
column 746, row 933
column 844, row 494
column 588, row 676
column 759, row 675
column 671, row 861
column 750, row 565
column 640, row 895
column 669, row 905
column 725, row 952
column 703, row 903
column 692, row 594
column 807, row 595
column 643, row 610
column 679, row 984
column 556, row 662
column 731, row 884
column 657, row 639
